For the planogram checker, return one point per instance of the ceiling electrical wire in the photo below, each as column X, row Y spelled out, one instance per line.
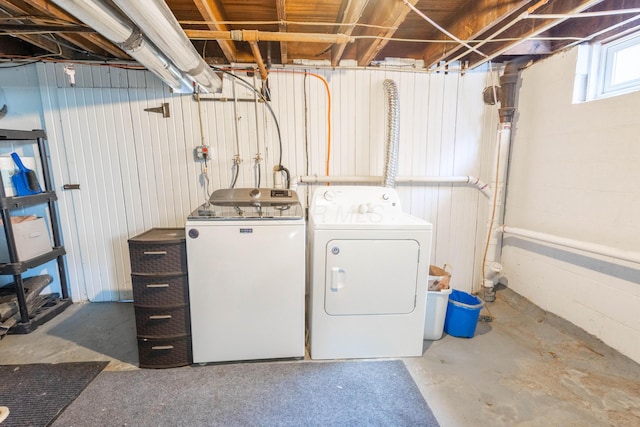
column 434, row 41
column 442, row 29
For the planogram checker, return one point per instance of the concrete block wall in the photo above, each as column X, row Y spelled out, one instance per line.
column 574, row 173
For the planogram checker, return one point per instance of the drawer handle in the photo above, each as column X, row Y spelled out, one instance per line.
column 160, row 317
column 155, row 252
column 158, row 285
column 162, row 347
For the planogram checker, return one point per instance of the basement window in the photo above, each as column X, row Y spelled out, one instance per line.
column 608, row 69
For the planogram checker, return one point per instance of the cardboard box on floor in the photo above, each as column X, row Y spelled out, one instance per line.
column 31, row 236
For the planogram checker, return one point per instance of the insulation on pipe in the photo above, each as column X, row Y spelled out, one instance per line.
column 157, row 22
column 117, row 28
column 393, row 133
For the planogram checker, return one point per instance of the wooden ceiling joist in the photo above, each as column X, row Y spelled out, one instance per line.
column 282, row 27
column 433, row 32
column 8, row 10
column 468, row 24
column 40, row 42
column 211, row 12
column 389, row 14
column 86, row 42
column 522, row 31
column 350, row 11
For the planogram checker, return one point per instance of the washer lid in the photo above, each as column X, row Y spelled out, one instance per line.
column 263, row 197
column 250, row 203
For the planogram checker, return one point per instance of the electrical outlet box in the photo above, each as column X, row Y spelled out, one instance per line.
column 201, row 152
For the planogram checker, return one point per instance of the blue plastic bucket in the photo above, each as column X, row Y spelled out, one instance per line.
column 463, row 311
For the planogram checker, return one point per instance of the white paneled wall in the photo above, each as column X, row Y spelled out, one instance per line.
column 137, row 170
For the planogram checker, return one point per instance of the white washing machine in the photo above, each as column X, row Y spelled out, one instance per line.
column 368, row 271
column 246, row 265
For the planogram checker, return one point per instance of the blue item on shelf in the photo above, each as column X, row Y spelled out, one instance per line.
column 24, row 180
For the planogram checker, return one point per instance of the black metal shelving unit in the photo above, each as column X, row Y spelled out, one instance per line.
column 29, row 321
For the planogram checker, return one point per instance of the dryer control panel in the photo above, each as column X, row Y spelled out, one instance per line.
column 356, row 204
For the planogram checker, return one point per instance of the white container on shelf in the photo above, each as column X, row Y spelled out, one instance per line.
column 435, row 314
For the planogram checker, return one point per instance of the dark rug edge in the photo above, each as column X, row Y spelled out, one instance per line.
column 95, row 367
column 100, row 365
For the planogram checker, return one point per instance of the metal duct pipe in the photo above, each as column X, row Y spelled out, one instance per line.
column 157, row 22
column 508, row 90
column 393, row 133
column 123, row 33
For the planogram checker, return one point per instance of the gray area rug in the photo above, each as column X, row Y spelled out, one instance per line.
column 304, row 393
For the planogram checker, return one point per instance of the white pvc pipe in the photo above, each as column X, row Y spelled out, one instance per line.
column 593, row 248
column 339, row 179
column 583, row 14
column 435, row 180
column 496, row 200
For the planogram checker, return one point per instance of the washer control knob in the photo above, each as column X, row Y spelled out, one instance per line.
column 255, row 193
column 329, row 195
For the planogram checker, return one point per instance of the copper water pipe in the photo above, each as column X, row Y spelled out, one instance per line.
column 258, row 57
column 254, row 35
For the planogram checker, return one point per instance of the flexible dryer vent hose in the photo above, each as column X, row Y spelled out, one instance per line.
column 393, row 133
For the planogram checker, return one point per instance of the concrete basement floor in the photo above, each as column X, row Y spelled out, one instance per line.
column 526, row 368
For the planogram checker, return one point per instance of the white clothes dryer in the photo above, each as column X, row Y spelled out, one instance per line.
column 368, row 274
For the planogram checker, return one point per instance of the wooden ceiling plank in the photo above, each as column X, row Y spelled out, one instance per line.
column 351, row 12
column 210, row 11
column 8, row 10
column 523, row 31
column 87, row 42
column 39, row 28
column 470, row 23
column 584, row 27
column 282, row 26
column 390, row 15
